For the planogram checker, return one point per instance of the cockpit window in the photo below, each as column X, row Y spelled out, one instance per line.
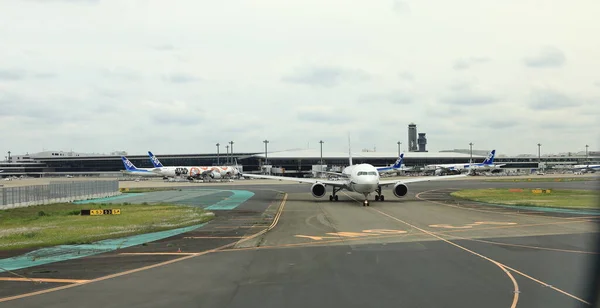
column 367, row 173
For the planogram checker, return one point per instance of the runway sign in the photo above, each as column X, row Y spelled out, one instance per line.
column 99, row 212
column 541, row 191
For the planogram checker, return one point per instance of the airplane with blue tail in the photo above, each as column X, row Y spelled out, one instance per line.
column 131, row 169
column 397, row 166
column 194, row 172
column 486, row 165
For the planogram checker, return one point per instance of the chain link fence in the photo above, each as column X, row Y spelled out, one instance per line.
column 13, row 197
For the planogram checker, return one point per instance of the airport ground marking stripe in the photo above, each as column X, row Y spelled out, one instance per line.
column 281, row 205
column 503, row 266
column 523, row 246
column 157, row 253
column 57, row 280
column 212, row 237
column 498, row 264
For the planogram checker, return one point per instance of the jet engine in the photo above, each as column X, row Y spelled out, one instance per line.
column 215, row 174
column 318, row 190
column 400, row 190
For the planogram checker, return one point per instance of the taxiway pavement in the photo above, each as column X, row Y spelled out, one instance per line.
column 420, row 251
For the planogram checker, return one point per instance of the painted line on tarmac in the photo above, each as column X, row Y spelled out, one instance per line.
column 505, row 268
column 68, row 252
column 275, row 221
column 56, row 280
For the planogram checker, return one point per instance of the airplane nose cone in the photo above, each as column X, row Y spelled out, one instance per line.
column 367, row 184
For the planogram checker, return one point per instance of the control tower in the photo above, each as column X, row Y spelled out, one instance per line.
column 412, row 137
column 422, row 142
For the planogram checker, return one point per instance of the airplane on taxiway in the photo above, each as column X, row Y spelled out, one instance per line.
column 360, row 178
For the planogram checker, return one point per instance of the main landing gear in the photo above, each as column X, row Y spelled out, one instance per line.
column 334, row 196
column 379, row 196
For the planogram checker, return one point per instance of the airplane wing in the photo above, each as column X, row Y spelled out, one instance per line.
column 299, row 180
column 333, row 173
column 425, row 179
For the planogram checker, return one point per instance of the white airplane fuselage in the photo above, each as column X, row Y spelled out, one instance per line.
column 362, row 178
column 195, row 171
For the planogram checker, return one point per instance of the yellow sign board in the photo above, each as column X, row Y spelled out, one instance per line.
column 99, row 212
column 541, row 191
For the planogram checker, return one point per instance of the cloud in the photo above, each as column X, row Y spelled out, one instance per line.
column 465, row 63
column 325, row 76
column 77, row 73
column 12, row 75
column 181, row 78
column 407, row 76
column 68, row 1
column 548, row 57
column 395, row 97
column 551, row 99
column 597, row 83
column 174, row 113
column 322, row 114
column 500, row 124
column 164, row 47
column 465, row 94
column 120, row 73
column 401, row 7
column 21, row 74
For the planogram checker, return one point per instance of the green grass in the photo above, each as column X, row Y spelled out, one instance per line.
column 545, row 179
column 57, row 224
column 147, row 189
column 560, row 198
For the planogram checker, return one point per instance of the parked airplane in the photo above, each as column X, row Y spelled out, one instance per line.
column 487, row 164
column 360, row 178
column 193, row 172
column 397, row 166
column 131, row 169
column 587, row 168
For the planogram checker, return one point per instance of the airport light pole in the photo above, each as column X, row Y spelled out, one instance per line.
column 231, row 142
column 266, row 142
column 227, row 160
column 321, row 142
column 539, row 155
column 587, row 158
column 218, row 144
column 399, row 145
column 471, row 151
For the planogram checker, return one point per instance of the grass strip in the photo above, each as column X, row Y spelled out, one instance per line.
column 560, row 198
column 62, row 224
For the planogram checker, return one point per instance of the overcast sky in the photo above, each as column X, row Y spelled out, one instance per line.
column 180, row 76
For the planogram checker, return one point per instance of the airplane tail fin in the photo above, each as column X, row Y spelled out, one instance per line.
column 490, row 159
column 399, row 161
column 154, row 160
column 129, row 166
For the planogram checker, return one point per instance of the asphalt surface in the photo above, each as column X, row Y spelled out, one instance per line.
column 424, row 250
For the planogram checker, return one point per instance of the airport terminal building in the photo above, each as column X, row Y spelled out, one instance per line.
column 292, row 163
